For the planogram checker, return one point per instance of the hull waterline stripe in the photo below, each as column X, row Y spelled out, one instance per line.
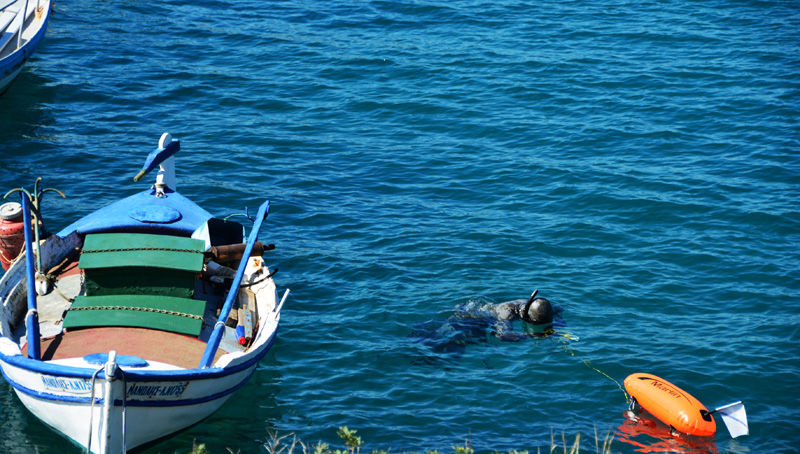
column 48, row 396
column 143, row 376
column 178, row 403
column 131, row 403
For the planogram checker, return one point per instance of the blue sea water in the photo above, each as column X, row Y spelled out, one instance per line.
column 637, row 162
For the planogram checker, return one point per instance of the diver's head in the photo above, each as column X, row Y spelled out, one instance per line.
column 538, row 311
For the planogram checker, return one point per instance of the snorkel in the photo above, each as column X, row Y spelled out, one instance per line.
column 538, row 315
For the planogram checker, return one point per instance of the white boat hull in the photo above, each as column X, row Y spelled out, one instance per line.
column 113, row 383
column 62, row 397
column 12, row 58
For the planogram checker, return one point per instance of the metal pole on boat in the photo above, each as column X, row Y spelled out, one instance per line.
column 32, row 317
column 216, row 335
column 283, row 300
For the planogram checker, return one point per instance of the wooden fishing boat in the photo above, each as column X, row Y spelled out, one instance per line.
column 139, row 319
column 23, row 24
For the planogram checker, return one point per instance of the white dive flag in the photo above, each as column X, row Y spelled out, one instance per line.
column 735, row 418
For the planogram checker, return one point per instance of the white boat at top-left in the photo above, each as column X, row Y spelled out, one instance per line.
column 23, row 24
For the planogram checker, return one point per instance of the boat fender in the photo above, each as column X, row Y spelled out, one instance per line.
column 43, row 284
column 12, row 233
column 670, row 404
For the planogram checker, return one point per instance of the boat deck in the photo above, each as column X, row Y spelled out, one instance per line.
column 148, row 344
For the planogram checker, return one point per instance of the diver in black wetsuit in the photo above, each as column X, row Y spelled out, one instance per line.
column 475, row 321
column 536, row 312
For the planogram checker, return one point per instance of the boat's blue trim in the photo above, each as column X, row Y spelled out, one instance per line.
column 48, row 396
column 177, row 403
column 44, row 367
column 7, row 5
column 116, row 217
column 216, row 335
column 156, row 157
column 129, row 402
column 32, row 317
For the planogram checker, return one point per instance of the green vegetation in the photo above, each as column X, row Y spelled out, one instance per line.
column 353, row 443
column 199, row 449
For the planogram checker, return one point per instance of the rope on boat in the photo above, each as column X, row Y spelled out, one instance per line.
column 192, row 251
column 28, row 314
column 124, row 410
column 260, row 280
column 142, row 309
column 21, row 251
column 67, row 299
column 91, row 411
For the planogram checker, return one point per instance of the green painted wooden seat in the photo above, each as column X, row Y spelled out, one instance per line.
column 139, row 280
column 135, row 263
column 167, row 313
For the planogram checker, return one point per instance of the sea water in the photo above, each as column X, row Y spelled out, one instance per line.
column 637, row 162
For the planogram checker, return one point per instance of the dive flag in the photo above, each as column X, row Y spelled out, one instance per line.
column 735, row 418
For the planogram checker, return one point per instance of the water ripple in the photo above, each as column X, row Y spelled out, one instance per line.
column 636, row 162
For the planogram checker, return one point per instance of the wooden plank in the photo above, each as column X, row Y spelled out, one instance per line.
column 9, row 25
column 143, row 311
column 114, row 250
column 6, row 17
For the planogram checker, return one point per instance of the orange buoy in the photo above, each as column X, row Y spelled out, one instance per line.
column 12, row 234
column 670, row 404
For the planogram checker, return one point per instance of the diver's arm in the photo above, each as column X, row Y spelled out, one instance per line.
column 503, row 330
column 511, row 336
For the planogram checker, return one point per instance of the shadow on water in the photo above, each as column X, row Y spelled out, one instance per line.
column 253, row 410
column 25, row 107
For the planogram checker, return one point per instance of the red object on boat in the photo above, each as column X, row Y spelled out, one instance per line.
column 240, row 335
column 12, row 234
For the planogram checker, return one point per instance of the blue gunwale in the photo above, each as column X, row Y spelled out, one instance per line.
column 130, row 402
column 45, row 367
